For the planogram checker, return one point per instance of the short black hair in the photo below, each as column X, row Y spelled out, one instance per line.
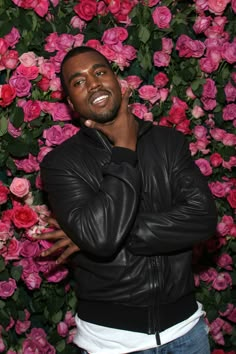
column 72, row 53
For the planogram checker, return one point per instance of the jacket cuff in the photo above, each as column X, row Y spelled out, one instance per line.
column 120, row 154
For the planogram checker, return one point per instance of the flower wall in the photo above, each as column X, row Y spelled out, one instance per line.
column 180, row 59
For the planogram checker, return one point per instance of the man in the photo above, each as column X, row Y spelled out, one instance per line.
column 133, row 204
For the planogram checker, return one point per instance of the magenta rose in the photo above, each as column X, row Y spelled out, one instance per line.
column 24, row 217
column 12, row 37
column 229, row 111
column 225, row 261
column 86, row 9
column 53, row 135
column 3, row 193
column 230, row 92
column 229, row 52
column 161, row 17
column 20, row 187
column 7, row 288
column 21, row 84
column 160, row 80
column 188, row 47
column 29, row 249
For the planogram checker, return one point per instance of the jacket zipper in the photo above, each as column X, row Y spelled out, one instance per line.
column 154, row 322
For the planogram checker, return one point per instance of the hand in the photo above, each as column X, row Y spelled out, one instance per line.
column 122, row 131
column 62, row 241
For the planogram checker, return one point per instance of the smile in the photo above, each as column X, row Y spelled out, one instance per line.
column 100, row 99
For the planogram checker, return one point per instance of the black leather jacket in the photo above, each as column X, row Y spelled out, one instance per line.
column 135, row 217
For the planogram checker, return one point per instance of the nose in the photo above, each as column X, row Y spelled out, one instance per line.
column 93, row 82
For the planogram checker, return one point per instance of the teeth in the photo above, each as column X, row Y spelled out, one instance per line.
column 100, row 98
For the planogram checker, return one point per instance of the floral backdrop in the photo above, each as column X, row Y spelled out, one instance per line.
column 180, row 59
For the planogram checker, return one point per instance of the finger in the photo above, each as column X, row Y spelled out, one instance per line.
column 125, row 98
column 67, row 253
column 54, row 248
column 53, row 222
column 52, row 235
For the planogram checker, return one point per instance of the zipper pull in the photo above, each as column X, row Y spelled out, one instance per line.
column 158, row 340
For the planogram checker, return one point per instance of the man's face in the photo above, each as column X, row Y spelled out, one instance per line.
column 93, row 89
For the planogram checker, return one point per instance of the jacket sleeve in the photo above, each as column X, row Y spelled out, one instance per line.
column 96, row 217
column 190, row 219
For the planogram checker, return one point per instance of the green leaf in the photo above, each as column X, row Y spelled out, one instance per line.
column 57, row 317
column 143, row 34
column 18, row 148
column 17, row 117
column 3, row 125
column 61, row 346
column 16, row 272
column 2, row 264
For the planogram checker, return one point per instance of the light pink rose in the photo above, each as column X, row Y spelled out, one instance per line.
column 161, row 58
column 133, row 81
column 139, row 109
column 229, row 111
column 149, row 93
column 7, row 288
column 21, row 84
column 28, row 59
column 200, row 131
column 162, row 17
column 47, row 69
column 62, row 329
column 204, row 166
column 76, row 22
column 229, row 139
column 20, row 187
column 197, row 112
column 217, row 7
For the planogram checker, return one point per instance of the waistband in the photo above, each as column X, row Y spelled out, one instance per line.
column 134, row 318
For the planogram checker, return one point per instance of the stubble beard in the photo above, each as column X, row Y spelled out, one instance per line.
column 107, row 116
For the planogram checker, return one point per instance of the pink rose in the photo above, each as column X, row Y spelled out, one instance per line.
column 139, row 109
column 15, row 132
column 3, row 46
column 197, row 112
column 47, row 69
column 177, row 114
column 44, row 150
column 230, row 92
column 86, row 9
column 233, row 5
column 229, row 52
column 161, row 58
column 167, row 45
column 12, row 37
column 200, row 131
column 204, row 166
column 222, row 281
column 51, row 42
column 28, row 59
column 28, row 165
column 21, row 84
column 5, row 231
column 7, row 288
column 225, row 261
column 61, row 112
column 217, row 134
column 65, row 41
column 76, row 22
column 201, row 23
column 20, row 187
column 115, row 35
column 24, row 217
column 150, row 3
column 208, row 103
column 218, row 189
column 10, row 59
column 217, row 7
column 209, row 89
column 29, row 72
column 216, row 159
column 162, row 16
column 3, row 193
column 160, row 80
column 22, row 326
column 188, row 47
column 69, row 130
column 229, row 139
column 53, row 135
column 231, row 197
column 32, row 280
column 31, row 110
column 29, row 249
column 62, row 329
column 133, row 81
column 232, row 316
column 209, row 275
column 149, row 93
column 229, row 111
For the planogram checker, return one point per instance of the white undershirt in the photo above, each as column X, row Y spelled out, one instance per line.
column 97, row 339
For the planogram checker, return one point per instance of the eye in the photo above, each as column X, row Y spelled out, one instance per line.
column 78, row 82
column 100, row 73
